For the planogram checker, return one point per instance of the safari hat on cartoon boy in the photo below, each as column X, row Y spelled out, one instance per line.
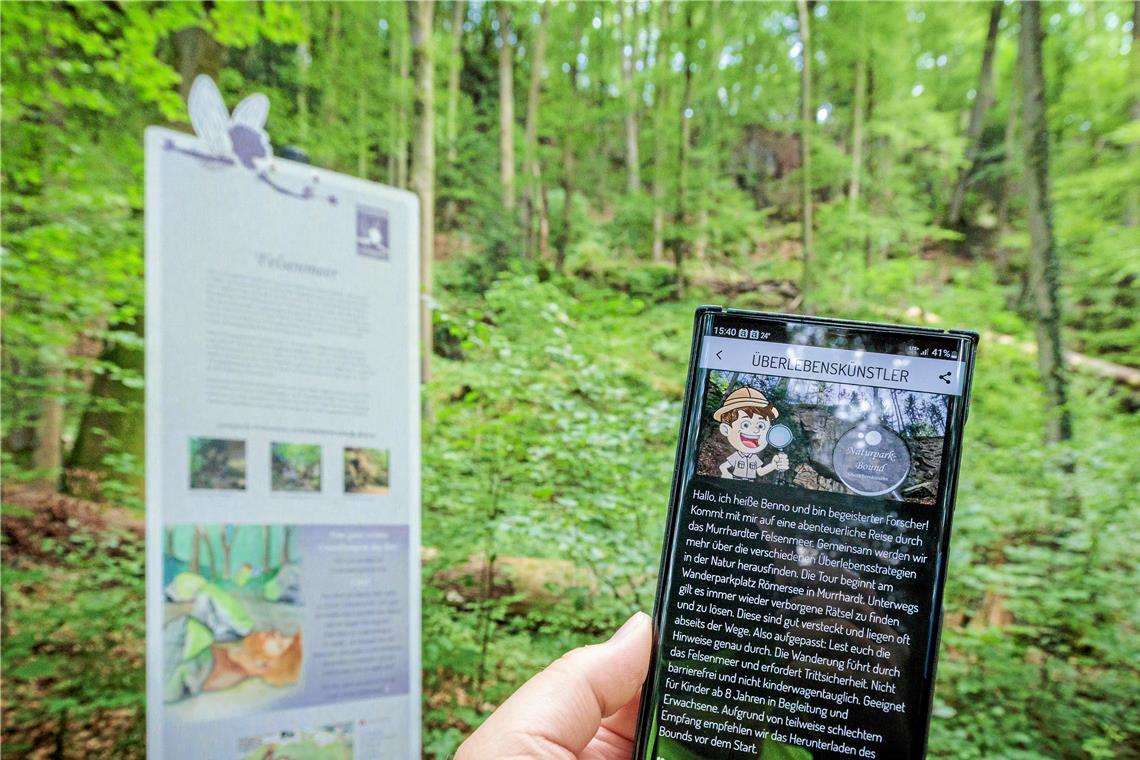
column 742, row 397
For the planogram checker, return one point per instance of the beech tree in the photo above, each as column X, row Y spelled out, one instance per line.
column 1044, row 263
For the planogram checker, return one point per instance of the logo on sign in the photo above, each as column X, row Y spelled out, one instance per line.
column 372, row 232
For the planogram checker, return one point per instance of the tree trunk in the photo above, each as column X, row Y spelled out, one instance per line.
column 423, row 180
column 660, row 117
column 567, row 203
column 1009, row 151
column 857, row 133
column 214, row 574
column 267, row 558
column 329, row 114
column 227, row 552
column 361, row 135
column 982, row 103
column 532, row 197
column 304, row 63
column 455, row 67
column 1044, row 266
column 198, row 53
column 806, row 116
column 679, row 222
column 403, row 54
column 632, row 159
column 564, row 236
column 49, row 429
column 1132, row 209
column 196, row 552
column 286, row 533
column 506, row 109
column 113, row 421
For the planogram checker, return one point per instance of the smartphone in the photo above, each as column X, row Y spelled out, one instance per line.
column 799, row 601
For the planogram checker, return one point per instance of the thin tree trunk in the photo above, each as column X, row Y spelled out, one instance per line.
column 196, row 552
column 632, row 159
column 567, row 203
column 227, row 552
column 1044, row 265
column 660, row 116
column 455, row 67
column 361, row 134
column 423, row 181
column 806, row 116
column 710, row 138
column 1009, row 151
column 982, row 103
column 402, row 52
column 214, row 574
column 49, row 429
column 564, row 236
column 329, row 104
column 304, row 63
column 1132, row 210
column 506, row 108
column 532, row 198
column 679, row 217
column 857, row 133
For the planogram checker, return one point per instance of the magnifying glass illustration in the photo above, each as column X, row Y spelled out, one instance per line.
column 780, row 436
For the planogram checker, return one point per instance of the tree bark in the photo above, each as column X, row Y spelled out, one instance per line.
column 1044, row 265
column 49, row 429
column 112, row 421
column 632, row 159
column 455, row 67
column 402, row 57
column 679, row 217
column 304, row 63
column 423, row 180
column 196, row 552
column 267, row 558
column 806, row 116
column 532, row 204
column 660, row 117
column 506, row 108
column 227, row 551
column 857, row 118
column 983, row 101
column 1132, row 209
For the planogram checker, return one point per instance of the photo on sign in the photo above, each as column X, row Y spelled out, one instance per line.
column 217, row 464
column 365, row 470
column 232, row 618
column 372, row 238
column 331, row 742
column 295, row 467
column 835, row 437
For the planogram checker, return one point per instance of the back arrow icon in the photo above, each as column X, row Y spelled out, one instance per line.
column 718, row 355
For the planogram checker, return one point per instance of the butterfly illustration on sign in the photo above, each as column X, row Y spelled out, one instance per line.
column 237, row 138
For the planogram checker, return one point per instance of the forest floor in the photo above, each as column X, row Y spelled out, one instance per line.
column 74, row 630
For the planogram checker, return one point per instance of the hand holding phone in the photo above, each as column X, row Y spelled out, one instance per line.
column 798, row 606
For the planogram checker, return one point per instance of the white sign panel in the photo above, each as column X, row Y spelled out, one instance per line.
column 282, row 413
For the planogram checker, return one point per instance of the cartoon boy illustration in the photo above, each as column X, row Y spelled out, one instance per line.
column 744, row 417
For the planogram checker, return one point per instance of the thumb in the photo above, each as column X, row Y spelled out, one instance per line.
column 559, row 710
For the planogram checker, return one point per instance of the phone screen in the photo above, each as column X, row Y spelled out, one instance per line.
column 798, row 608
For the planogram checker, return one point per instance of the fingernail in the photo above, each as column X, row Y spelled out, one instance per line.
column 628, row 627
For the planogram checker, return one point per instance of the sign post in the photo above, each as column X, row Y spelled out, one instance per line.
column 282, row 414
